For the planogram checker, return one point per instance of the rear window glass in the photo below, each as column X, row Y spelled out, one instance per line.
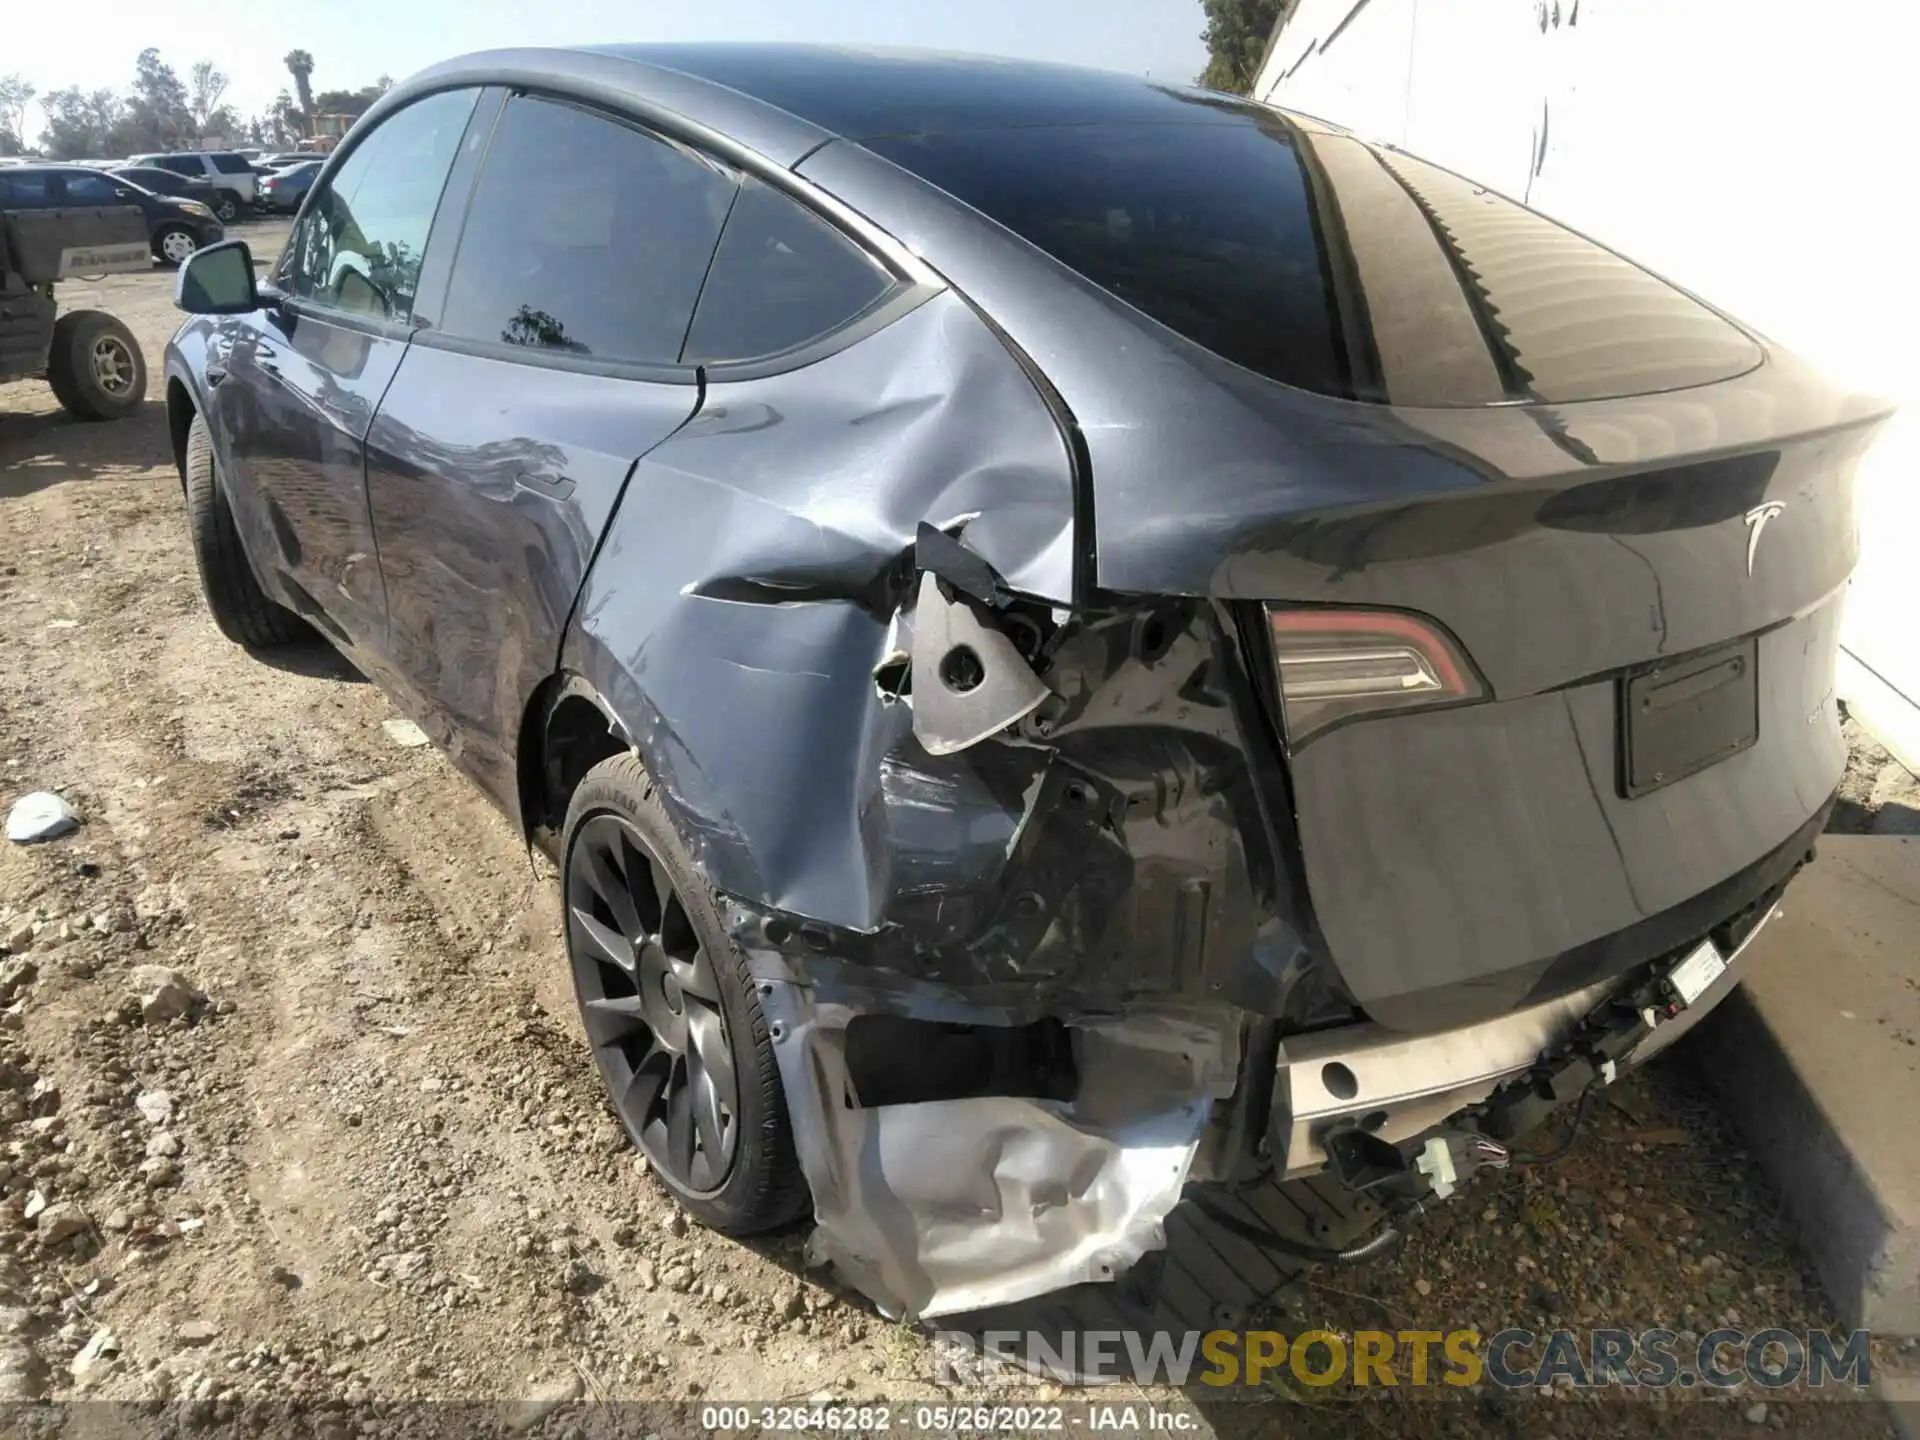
column 1205, row 227
column 232, row 164
column 1315, row 260
column 781, row 277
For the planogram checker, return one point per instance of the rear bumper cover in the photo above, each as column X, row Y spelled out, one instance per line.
column 957, row 1205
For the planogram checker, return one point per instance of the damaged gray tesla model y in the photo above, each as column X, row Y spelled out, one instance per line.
column 1069, row 637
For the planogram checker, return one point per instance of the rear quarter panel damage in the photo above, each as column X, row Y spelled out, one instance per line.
column 1105, row 863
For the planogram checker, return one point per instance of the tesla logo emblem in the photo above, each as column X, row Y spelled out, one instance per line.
column 1756, row 522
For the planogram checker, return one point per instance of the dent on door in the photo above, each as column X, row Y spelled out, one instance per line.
column 1062, row 879
column 299, row 397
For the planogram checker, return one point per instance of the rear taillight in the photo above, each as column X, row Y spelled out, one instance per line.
column 1335, row 664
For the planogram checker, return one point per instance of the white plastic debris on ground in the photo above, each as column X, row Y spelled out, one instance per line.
column 404, row 732
column 40, row 816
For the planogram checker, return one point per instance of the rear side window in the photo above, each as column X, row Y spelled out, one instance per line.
column 359, row 247
column 89, row 190
column 232, row 164
column 585, row 236
column 782, row 277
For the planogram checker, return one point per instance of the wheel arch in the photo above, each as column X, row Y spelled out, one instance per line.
column 567, row 729
column 182, row 406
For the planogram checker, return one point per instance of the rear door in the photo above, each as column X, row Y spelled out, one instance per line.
column 303, row 377
column 547, row 367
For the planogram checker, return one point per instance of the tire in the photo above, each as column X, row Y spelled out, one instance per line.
column 95, row 366
column 243, row 611
column 175, row 244
column 225, row 205
column 761, row 1186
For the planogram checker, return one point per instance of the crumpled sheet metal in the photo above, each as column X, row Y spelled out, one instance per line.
column 954, row 1205
column 1091, row 867
column 743, row 595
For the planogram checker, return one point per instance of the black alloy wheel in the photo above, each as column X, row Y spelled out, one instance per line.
column 651, row 1003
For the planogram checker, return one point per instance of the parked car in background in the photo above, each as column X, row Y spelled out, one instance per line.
column 231, row 173
column 283, row 190
column 1068, row 635
column 168, row 182
column 281, row 159
column 176, row 227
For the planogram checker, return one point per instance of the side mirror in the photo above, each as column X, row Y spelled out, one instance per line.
column 217, row 281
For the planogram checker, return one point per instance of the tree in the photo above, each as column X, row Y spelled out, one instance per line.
column 204, row 98
column 15, row 95
column 158, row 116
column 281, row 124
column 1236, row 40
column 300, row 65
column 80, row 125
column 348, row 102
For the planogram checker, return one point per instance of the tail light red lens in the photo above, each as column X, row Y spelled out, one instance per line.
column 1335, row 664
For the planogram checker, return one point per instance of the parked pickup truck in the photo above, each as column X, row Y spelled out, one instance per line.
column 89, row 358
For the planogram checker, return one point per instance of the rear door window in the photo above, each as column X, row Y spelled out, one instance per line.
column 232, row 164
column 90, row 190
column 182, row 164
column 359, row 246
column 781, row 278
column 585, row 236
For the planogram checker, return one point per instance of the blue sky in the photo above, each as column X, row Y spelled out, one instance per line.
column 354, row 41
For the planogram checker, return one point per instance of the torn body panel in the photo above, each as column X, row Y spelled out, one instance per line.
column 1093, row 852
column 949, row 1205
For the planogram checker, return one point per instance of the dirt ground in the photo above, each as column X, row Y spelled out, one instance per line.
column 369, row 1158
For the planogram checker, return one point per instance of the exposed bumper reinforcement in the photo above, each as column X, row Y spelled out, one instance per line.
column 1397, row 1086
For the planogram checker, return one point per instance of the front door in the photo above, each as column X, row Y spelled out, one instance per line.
column 304, row 376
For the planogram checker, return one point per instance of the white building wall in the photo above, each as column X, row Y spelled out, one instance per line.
column 1756, row 152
